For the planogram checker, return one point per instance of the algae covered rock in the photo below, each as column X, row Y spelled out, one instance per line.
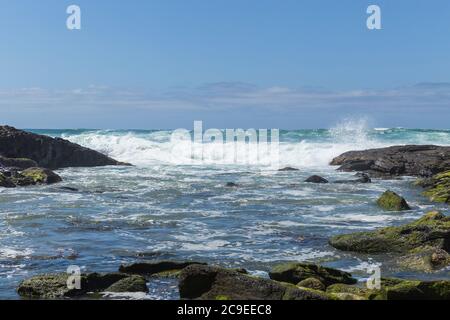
column 18, row 163
column 426, row 239
column 133, row 283
column 437, row 187
column 41, row 176
column 210, row 283
column 297, row 272
column 55, row 286
column 392, row 202
column 312, row 283
column 156, row 267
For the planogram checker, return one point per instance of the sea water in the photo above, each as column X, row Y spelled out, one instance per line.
column 161, row 210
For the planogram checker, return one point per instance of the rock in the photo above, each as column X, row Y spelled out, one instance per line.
column 215, row 283
column 312, row 283
column 391, row 201
column 47, row 152
column 316, row 179
column 411, row 160
column 54, row 286
column 417, row 240
column 153, row 267
column 363, row 178
column 41, row 176
column 288, row 169
column 18, row 163
column 437, row 187
column 6, row 182
column 133, row 283
column 231, row 185
column 297, row 272
column 397, row 289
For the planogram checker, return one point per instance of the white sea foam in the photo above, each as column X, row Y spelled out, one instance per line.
column 156, row 148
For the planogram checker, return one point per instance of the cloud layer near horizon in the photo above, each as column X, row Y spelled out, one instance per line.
column 219, row 97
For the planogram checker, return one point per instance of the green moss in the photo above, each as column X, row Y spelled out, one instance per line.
column 222, row 297
column 167, row 274
column 438, row 187
column 392, row 202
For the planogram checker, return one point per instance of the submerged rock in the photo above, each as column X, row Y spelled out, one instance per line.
column 411, row 160
column 55, row 286
column 231, row 185
column 437, row 187
column 391, row 201
column 425, row 240
column 297, row 272
column 288, row 169
column 49, row 152
column 154, row 267
column 215, row 283
column 316, row 179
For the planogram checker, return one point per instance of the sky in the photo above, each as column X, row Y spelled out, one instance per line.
column 161, row 64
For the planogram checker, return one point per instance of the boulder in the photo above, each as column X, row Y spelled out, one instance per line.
column 312, row 283
column 316, row 179
column 54, row 286
column 231, row 185
column 297, row 272
column 134, row 283
column 391, row 201
column 437, row 187
column 427, row 241
column 155, row 267
column 215, row 283
column 41, row 176
column 410, row 160
column 47, row 152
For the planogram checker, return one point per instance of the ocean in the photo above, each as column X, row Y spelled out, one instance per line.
column 158, row 209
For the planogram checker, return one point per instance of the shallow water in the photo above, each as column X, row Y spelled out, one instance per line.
column 159, row 210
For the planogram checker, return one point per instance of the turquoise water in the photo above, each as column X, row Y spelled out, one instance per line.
column 159, row 209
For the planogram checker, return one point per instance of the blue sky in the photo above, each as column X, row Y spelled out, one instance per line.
column 266, row 63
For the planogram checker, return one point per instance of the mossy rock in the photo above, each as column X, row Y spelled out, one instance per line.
column 297, row 272
column 55, row 286
column 41, row 176
column 161, row 268
column 134, row 283
column 312, row 283
column 391, row 201
column 437, row 187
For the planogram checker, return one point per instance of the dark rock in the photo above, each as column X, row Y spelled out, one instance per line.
column 391, row 201
column 6, row 182
column 288, row 169
column 417, row 241
column 213, row 283
column 231, row 185
column 363, row 178
column 17, row 163
column 153, row 267
column 41, row 176
column 133, row 283
column 297, row 272
column 49, row 152
column 54, row 286
column 412, row 160
column 316, row 179
column 69, row 189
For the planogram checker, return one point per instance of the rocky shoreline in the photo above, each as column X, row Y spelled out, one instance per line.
column 424, row 245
